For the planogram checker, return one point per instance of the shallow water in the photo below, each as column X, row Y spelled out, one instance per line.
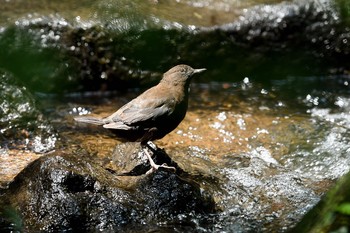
column 267, row 130
column 266, row 152
column 267, row 145
column 198, row 13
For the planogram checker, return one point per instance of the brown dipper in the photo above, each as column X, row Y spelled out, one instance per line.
column 154, row 113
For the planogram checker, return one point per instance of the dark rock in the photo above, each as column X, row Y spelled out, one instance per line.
column 65, row 193
column 169, row 195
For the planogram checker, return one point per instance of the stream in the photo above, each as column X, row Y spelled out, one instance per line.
column 266, row 133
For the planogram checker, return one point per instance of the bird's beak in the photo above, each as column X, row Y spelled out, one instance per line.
column 199, row 70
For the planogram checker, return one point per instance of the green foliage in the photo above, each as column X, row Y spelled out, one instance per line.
column 344, row 208
column 344, row 9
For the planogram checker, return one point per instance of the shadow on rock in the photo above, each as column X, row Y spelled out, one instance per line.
column 65, row 192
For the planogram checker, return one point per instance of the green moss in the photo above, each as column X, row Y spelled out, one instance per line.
column 332, row 213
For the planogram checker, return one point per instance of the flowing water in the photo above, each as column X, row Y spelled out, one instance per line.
column 267, row 130
column 266, row 152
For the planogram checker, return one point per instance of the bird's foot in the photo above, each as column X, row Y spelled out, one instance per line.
column 155, row 167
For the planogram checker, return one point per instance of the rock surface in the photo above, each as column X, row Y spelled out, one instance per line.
column 69, row 193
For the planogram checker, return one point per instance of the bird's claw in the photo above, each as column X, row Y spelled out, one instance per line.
column 164, row 165
column 156, row 167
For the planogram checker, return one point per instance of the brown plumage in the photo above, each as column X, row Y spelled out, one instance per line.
column 154, row 113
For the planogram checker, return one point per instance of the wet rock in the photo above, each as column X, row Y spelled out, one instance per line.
column 26, row 132
column 291, row 33
column 21, row 122
column 60, row 193
column 129, row 159
column 278, row 24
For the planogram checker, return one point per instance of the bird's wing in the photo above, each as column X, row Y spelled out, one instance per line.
column 145, row 108
column 117, row 125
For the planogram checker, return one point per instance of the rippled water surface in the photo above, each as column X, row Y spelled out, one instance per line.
column 198, row 13
column 267, row 129
column 268, row 144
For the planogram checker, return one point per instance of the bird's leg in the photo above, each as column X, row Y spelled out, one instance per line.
column 154, row 166
column 152, row 146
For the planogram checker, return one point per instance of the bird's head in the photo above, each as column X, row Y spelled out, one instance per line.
column 180, row 74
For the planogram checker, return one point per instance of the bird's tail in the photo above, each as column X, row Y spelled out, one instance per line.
column 90, row 120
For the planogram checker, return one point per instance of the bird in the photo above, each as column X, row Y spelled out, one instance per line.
column 153, row 114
